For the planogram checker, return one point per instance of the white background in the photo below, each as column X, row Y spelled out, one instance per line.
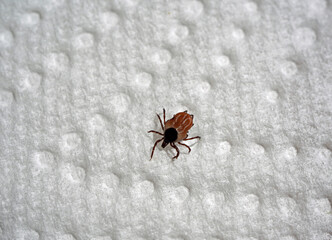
column 81, row 83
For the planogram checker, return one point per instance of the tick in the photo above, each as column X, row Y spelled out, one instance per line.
column 175, row 130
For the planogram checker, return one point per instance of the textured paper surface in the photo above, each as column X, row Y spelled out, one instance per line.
column 81, row 83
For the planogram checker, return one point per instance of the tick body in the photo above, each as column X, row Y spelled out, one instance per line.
column 175, row 130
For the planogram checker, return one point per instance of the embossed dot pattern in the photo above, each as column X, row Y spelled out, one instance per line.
column 6, row 98
column 81, row 83
column 221, row 61
column 108, row 20
column 177, row 34
column 29, row 81
column 192, row 9
column 223, row 148
column 272, row 96
column 30, row 19
column 251, row 7
column 6, row 38
column 303, row 38
column 42, row 162
column 238, row 34
column 84, row 40
column 143, row 80
column 288, row 68
column 161, row 57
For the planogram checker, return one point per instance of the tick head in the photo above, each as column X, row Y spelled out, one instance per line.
column 170, row 135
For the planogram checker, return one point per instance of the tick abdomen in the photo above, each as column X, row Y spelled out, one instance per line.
column 182, row 122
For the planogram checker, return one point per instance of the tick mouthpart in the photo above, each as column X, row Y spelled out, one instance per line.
column 164, row 144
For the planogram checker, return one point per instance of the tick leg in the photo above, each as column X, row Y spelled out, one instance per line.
column 155, row 132
column 162, row 126
column 177, row 151
column 185, row 146
column 164, row 115
column 155, row 147
column 191, row 138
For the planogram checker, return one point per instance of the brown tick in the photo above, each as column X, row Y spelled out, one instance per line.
column 175, row 130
